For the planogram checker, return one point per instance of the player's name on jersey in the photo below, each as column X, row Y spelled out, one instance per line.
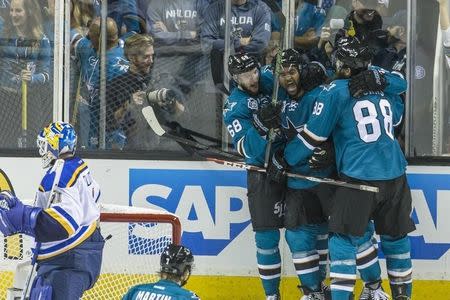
column 143, row 295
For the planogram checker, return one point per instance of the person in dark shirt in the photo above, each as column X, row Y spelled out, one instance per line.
column 132, row 89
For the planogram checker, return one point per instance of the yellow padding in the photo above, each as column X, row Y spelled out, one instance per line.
column 246, row 288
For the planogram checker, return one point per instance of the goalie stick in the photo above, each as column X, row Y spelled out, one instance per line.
column 59, row 164
column 240, row 165
column 150, row 117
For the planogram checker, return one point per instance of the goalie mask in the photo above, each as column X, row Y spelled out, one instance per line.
column 54, row 140
column 176, row 260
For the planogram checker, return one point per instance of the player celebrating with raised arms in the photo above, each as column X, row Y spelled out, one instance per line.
column 176, row 267
column 64, row 220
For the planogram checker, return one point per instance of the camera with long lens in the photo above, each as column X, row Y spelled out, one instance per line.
column 165, row 98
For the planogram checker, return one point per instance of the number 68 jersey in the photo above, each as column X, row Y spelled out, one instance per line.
column 74, row 206
column 362, row 131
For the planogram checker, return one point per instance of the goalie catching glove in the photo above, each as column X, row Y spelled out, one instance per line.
column 365, row 82
column 15, row 217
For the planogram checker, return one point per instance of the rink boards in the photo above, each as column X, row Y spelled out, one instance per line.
column 211, row 202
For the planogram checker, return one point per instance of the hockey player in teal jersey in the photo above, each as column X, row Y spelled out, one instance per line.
column 367, row 152
column 176, row 267
column 249, row 116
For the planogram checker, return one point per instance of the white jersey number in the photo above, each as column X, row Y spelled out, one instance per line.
column 234, row 127
column 369, row 127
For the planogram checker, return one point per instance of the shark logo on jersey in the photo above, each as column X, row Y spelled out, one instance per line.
column 229, row 107
column 211, row 204
column 121, row 64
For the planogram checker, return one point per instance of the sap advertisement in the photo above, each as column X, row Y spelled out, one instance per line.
column 211, row 202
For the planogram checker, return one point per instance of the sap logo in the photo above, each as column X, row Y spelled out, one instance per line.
column 211, row 204
column 431, row 206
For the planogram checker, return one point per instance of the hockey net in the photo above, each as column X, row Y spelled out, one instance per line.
column 135, row 239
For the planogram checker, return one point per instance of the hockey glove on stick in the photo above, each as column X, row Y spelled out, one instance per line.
column 15, row 217
column 276, row 170
column 365, row 82
column 267, row 117
column 323, row 156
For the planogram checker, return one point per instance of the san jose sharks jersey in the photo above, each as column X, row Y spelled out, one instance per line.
column 295, row 113
column 362, row 131
column 74, row 207
column 238, row 117
column 162, row 290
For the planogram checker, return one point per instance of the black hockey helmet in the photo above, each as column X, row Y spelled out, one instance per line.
column 352, row 53
column 241, row 63
column 176, row 259
column 290, row 57
column 313, row 74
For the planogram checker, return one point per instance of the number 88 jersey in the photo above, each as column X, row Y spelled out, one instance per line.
column 362, row 130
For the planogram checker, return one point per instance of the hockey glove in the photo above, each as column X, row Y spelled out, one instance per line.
column 169, row 100
column 290, row 132
column 15, row 217
column 323, row 156
column 366, row 82
column 276, row 170
column 266, row 118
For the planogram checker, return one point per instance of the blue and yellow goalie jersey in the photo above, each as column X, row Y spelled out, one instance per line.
column 362, row 131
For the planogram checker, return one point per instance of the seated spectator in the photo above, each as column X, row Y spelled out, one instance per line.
column 87, row 52
column 127, row 93
column 176, row 268
column 250, row 31
column 25, row 63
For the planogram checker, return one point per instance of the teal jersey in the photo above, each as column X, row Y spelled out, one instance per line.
column 362, row 131
column 238, row 117
column 295, row 113
column 162, row 290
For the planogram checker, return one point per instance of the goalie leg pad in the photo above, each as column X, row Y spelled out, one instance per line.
column 269, row 259
column 41, row 289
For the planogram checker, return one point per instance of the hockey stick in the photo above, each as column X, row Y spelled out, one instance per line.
column 150, row 117
column 59, row 164
column 277, row 11
column 175, row 125
column 240, row 165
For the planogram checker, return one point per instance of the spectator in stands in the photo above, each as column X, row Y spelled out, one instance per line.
column 176, row 268
column 25, row 64
column 127, row 93
column 175, row 27
column 250, row 31
column 87, row 52
column 125, row 13
column 310, row 18
column 82, row 12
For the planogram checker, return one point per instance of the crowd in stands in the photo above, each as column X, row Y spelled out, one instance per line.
column 186, row 38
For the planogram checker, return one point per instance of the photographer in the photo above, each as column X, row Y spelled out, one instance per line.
column 129, row 92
